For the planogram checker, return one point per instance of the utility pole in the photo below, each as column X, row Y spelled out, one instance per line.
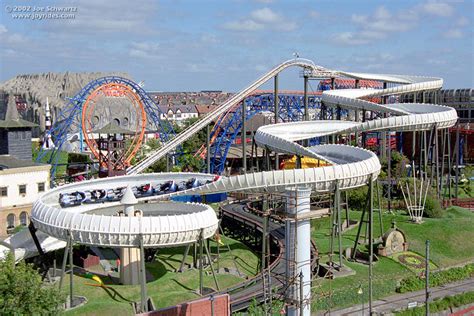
column 427, row 278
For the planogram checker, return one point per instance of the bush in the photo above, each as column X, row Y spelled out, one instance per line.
column 433, row 208
column 415, row 283
column 358, row 198
column 22, row 291
column 443, row 304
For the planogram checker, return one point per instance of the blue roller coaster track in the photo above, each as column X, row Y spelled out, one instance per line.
column 291, row 108
column 69, row 119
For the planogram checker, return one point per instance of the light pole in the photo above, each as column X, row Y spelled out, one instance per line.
column 360, row 292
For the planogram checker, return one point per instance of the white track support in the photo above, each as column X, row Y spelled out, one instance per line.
column 298, row 250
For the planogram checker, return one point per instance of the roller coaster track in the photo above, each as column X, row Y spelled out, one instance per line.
column 198, row 125
column 350, row 167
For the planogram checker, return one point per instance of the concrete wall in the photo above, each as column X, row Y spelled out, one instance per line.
column 19, row 144
column 17, row 213
column 29, row 176
column 16, row 203
column 16, row 142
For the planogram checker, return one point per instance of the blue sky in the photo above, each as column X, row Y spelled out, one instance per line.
column 194, row 45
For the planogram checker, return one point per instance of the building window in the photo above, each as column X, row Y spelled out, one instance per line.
column 10, row 221
column 3, row 191
column 23, row 218
column 22, row 189
column 41, row 187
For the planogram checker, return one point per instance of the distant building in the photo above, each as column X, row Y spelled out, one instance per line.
column 21, row 179
column 204, row 109
column 15, row 133
column 21, row 183
column 178, row 113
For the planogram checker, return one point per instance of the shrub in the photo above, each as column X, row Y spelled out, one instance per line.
column 415, row 283
column 358, row 198
column 433, row 208
column 22, row 291
column 443, row 304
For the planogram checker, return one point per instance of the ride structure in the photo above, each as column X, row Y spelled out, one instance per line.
column 76, row 122
column 348, row 167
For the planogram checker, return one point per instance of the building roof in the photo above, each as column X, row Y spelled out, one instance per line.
column 204, row 109
column 10, row 162
column 258, row 120
column 12, row 118
column 182, row 108
column 113, row 129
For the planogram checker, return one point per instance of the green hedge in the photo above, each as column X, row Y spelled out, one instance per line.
column 442, row 304
column 415, row 283
column 433, row 208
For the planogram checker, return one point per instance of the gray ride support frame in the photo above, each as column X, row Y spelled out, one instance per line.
column 298, row 251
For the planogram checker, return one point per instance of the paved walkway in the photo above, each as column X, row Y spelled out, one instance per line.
column 400, row 301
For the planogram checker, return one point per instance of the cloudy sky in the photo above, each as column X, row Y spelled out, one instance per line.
column 202, row 44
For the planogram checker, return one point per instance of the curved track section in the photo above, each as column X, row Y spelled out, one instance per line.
column 162, row 224
column 196, row 127
column 350, row 166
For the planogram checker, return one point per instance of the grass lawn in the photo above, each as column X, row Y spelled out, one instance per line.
column 451, row 244
column 169, row 287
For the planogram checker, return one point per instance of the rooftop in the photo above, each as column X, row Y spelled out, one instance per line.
column 12, row 118
column 10, row 162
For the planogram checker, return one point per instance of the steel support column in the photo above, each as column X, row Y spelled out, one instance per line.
column 143, row 290
column 208, row 149
column 71, row 275
column 371, row 239
column 243, row 132
column 276, row 101
column 305, row 99
column 456, row 148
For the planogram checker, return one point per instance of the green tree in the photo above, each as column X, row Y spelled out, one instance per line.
column 22, row 291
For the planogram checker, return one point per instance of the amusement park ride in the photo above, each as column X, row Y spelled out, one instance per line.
column 85, row 212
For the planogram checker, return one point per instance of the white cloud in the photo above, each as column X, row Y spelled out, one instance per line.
column 382, row 23
column 265, row 15
column 377, row 26
column 262, row 19
column 96, row 17
column 437, row 8
column 10, row 39
column 453, row 33
column 314, row 14
column 244, row 25
column 265, row 1
column 349, row 38
column 462, row 21
column 144, row 50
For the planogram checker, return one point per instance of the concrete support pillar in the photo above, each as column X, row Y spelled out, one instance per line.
column 129, row 257
column 130, row 266
column 298, row 251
